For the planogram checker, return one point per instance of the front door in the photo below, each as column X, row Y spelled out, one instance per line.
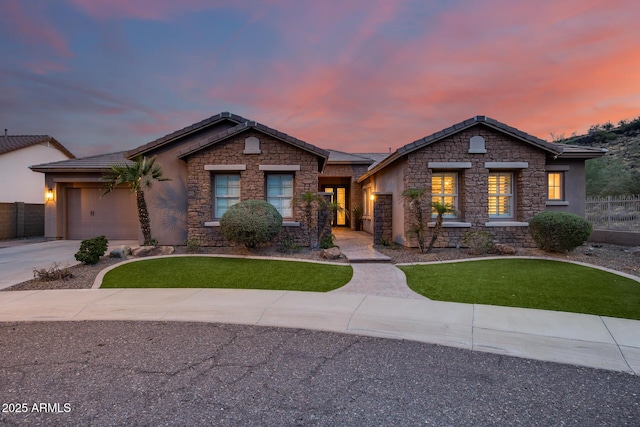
column 339, row 196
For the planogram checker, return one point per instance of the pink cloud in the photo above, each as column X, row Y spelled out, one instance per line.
column 32, row 27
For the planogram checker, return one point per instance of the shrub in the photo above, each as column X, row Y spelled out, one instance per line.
column 251, row 223
column 478, row 242
column 326, row 241
column 193, row 246
column 288, row 243
column 92, row 249
column 52, row 273
column 559, row 231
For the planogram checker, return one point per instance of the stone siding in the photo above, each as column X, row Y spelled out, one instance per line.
column 252, row 182
column 382, row 218
column 529, row 191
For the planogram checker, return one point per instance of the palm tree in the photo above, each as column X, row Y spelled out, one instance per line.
column 414, row 196
column 138, row 176
column 308, row 200
column 441, row 209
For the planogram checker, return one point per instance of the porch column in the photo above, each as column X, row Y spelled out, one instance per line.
column 382, row 217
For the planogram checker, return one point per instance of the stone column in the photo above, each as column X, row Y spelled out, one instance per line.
column 382, row 217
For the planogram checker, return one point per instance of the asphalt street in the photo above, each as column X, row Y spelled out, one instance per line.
column 164, row 373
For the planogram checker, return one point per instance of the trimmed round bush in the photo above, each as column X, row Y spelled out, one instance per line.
column 559, row 231
column 251, row 223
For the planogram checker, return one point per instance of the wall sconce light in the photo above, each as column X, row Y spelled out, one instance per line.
column 48, row 195
column 372, row 197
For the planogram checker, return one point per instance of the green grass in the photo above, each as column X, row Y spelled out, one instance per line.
column 237, row 273
column 542, row 284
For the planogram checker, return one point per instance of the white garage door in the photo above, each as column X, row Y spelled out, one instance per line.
column 113, row 215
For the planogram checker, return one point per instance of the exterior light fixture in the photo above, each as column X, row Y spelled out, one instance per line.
column 48, row 195
column 372, row 197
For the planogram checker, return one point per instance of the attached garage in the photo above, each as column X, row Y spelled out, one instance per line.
column 89, row 214
column 77, row 209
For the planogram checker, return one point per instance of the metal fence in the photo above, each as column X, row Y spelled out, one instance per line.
column 614, row 212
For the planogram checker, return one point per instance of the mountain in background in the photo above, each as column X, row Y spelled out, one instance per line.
column 618, row 172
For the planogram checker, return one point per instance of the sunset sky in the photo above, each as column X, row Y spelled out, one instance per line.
column 357, row 76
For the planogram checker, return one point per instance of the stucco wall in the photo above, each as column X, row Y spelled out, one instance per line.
column 167, row 201
column 25, row 185
column 391, row 180
column 575, row 193
column 55, row 211
column 252, row 181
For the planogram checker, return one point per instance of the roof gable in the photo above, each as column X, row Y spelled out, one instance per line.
column 247, row 125
column 181, row 133
column 553, row 149
column 9, row 143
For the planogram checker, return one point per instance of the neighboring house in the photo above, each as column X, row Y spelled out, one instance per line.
column 496, row 176
column 22, row 192
column 17, row 153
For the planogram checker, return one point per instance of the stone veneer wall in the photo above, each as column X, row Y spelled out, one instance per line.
column 473, row 207
column 382, row 218
column 252, row 182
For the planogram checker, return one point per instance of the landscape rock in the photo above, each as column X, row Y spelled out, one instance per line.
column 331, row 253
column 144, row 251
column 633, row 251
column 502, row 249
column 121, row 252
column 163, row 250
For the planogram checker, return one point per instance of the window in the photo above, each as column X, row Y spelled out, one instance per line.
column 367, row 203
column 444, row 189
column 501, row 195
column 554, row 186
column 280, row 193
column 226, row 192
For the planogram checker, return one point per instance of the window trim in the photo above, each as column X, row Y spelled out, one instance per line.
column 280, row 196
column 367, row 203
column 511, row 195
column 215, row 196
column 443, row 195
column 560, row 186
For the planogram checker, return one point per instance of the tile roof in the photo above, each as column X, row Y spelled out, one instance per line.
column 472, row 122
column 259, row 127
column 99, row 163
column 10, row 143
column 554, row 149
column 185, row 131
column 580, row 152
column 336, row 156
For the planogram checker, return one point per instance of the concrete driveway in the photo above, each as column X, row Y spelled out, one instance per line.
column 18, row 262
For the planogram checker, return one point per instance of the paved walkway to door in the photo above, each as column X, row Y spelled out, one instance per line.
column 373, row 273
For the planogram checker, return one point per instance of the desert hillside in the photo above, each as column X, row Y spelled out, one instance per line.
column 619, row 171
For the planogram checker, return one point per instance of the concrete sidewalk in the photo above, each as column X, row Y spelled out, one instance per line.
column 579, row 339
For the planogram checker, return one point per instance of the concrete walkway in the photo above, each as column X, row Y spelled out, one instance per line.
column 376, row 302
column 357, row 246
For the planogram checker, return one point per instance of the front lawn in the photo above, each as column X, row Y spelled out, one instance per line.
column 529, row 283
column 237, row 273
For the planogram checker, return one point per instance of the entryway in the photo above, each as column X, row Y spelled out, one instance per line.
column 340, row 196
